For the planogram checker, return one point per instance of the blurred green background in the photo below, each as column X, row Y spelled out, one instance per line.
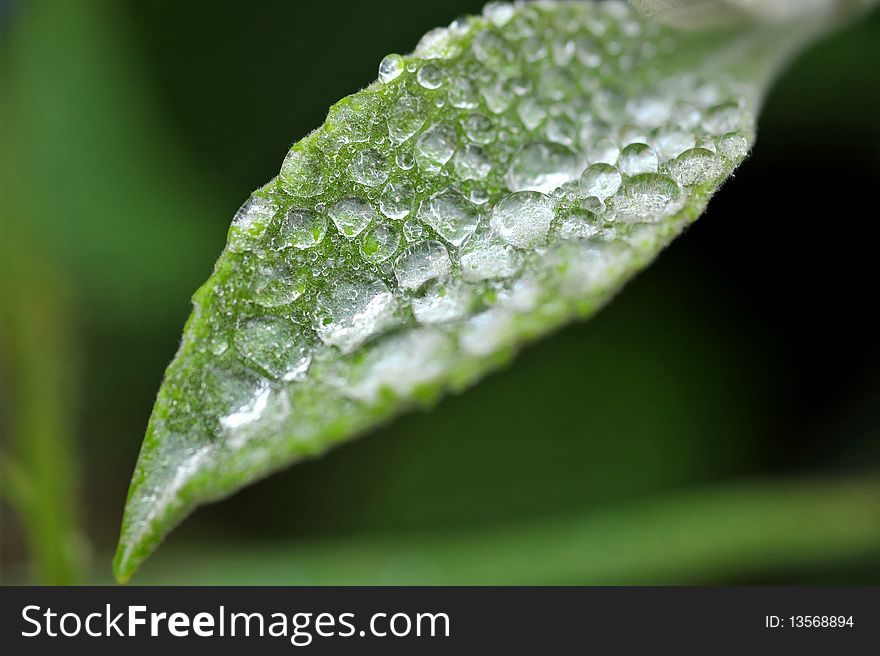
column 718, row 423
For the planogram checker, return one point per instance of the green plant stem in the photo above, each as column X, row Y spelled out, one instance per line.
column 38, row 469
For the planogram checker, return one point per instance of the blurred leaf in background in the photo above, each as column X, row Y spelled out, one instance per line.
column 132, row 131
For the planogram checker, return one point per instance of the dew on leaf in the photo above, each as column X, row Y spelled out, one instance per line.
column 369, row 168
column 541, row 166
column 275, row 346
column 600, row 180
column 391, row 67
column 352, row 311
column 379, row 243
column 523, row 218
column 351, row 215
column 451, row 215
column 421, row 262
column 301, row 228
column 637, row 158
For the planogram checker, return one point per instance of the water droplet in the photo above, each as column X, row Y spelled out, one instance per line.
column 600, row 180
column 531, row 112
column 419, row 263
column 435, row 147
column 369, row 168
column 695, row 166
column 480, row 128
column 301, row 228
column 397, row 199
column 472, row 162
column 671, row 143
column 649, row 111
column 733, row 146
column 405, row 161
column 479, row 196
column 404, row 119
column 463, row 93
column 391, row 67
column 542, row 166
column 493, row 51
column 276, row 285
column 301, row 174
column 413, row 230
column 275, row 346
column 498, row 95
column 451, row 215
column 352, row 311
column 352, row 215
column 251, row 221
column 442, row 302
column 647, row 197
column 722, row 118
column 561, row 130
column 637, row 158
column 429, row 76
column 486, row 256
column 523, row 218
column 379, row 243
column 498, row 12
column 603, row 150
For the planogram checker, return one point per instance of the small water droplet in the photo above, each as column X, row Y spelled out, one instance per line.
column 301, row 174
column 405, row 161
column 479, row 128
column 413, row 230
column 647, row 198
column 486, row 256
column 276, row 285
column 733, row 146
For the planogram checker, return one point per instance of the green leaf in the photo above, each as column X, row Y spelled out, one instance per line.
column 506, row 178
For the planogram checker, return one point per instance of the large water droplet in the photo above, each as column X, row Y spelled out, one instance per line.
column 421, row 262
column 695, row 166
column 301, row 228
column 251, row 221
column 472, row 162
column 353, row 311
column 391, row 67
column 351, row 216
column 637, row 158
column 486, row 256
column 479, row 128
column 369, row 168
column 541, row 166
column 275, row 346
column 435, row 147
column 429, row 76
column 647, row 197
column 451, row 215
column 600, row 180
column 301, row 174
column 379, row 243
column 276, row 285
column 405, row 118
column 397, row 199
column 523, row 218
column 442, row 302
